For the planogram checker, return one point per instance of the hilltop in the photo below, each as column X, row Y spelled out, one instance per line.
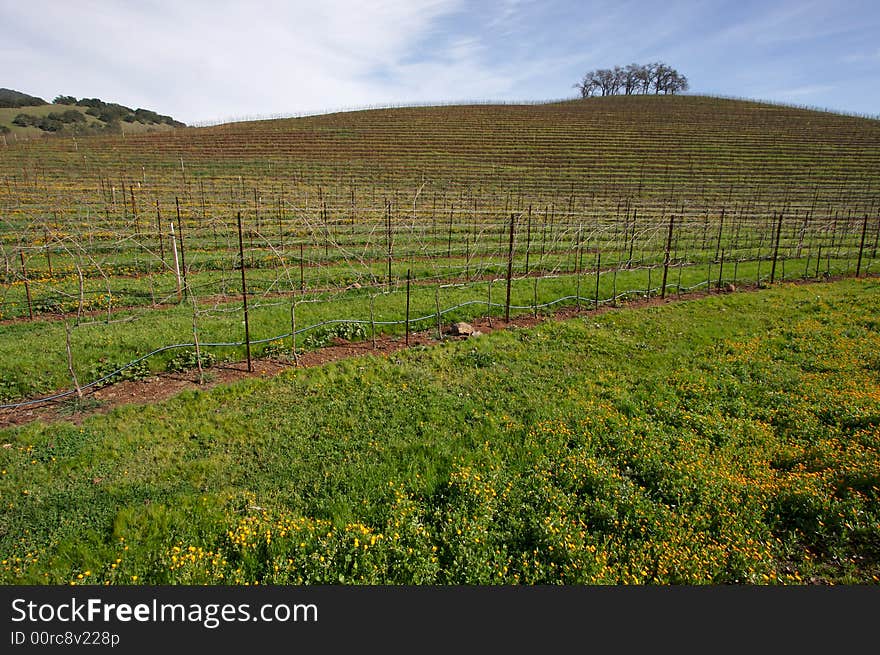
column 701, row 149
column 26, row 115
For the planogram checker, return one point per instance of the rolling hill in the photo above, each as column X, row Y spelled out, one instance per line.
column 704, row 150
column 23, row 115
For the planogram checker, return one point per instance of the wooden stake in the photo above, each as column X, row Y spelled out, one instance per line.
column 195, row 329
column 82, row 300
column 159, row 230
column 389, row 240
column 27, row 287
column 509, row 269
column 862, row 245
column 535, row 296
column 176, row 264
column 372, row 322
column 70, row 361
column 776, row 248
column 302, row 279
column 293, row 333
column 137, row 228
column 437, row 304
column 667, row 255
column 247, row 333
column 528, row 237
column 407, row 306
column 182, row 251
column 489, row 304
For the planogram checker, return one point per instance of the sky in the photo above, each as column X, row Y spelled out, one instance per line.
column 207, row 61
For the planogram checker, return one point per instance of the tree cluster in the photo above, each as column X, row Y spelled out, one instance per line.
column 633, row 79
column 14, row 99
column 54, row 122
column 111, row 112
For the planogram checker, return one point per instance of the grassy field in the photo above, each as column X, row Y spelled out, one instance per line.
column 729, row 439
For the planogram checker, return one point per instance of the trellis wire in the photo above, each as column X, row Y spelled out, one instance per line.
column 234, row 344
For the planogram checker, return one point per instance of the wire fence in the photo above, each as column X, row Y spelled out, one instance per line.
column 593, row 302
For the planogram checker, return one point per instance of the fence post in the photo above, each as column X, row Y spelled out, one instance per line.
column 134, row 212
column 667, row 255
column 247, row 332
column 182, row 252
column 437, row 304
column 632, row 238
column 70, row 361
column 27, row 287
column 598, row 272
column 293, row 333
column 876, row 238
column 614, row 286
column 577, row 271
column 720, row 230
column 489, row 303
column 862, row 246
column 48, row 250
column 195, row 330
column 678, row 284
column 776, row 249
column 302, row 274
column 528, row 238
column 407, row 305
column 281, row 223
column 509, row 269
column 389, row 240
column 535, row 298
column 159, row 230
column 372, row 322
column 176, row 263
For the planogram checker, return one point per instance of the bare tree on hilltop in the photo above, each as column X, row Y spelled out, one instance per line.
column 634, row 79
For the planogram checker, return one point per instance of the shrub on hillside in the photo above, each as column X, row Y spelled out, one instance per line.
column 69, row 116
column 25, row 120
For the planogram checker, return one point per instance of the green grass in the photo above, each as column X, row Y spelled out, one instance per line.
column 33, row 357
column 731, row 439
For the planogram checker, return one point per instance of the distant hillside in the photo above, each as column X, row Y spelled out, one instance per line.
column 589, row 155
column 10, row 98
column 25, row 115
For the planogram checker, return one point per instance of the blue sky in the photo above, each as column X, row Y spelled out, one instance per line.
column 204, row 61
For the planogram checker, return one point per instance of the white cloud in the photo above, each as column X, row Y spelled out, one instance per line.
column 202, row 60
column 207, row 60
